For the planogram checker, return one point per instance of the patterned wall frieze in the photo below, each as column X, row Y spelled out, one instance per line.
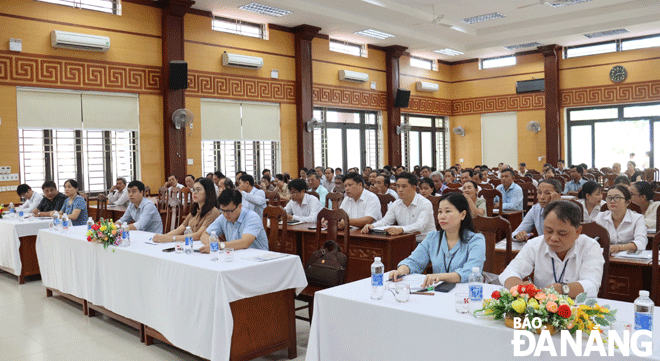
column 223, row 86
column 499, row 103
column 610, row 94
column 348, row 98
column 45, row 71
column 433, row 106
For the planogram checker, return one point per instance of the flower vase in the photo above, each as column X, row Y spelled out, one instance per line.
column 508, row 320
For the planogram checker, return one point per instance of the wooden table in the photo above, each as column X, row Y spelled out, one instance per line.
column 113, row 212
column 514, row 217
column 362, row 248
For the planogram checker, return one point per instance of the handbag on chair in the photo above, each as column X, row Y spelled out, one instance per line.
column 327, row 266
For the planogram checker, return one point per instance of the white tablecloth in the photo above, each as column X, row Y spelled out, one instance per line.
column 348, row 325
column 10, row 232
column 184, row 297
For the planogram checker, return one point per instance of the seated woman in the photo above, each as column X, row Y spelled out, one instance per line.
column 452, row 251
column 626, row 228
column 74, row 206
column 638, row 176
column 641, row 193
column 477, row 204
column 426, row 187
column 591, row 199
column 282, row 189
column 549, row 173
column 202, row 213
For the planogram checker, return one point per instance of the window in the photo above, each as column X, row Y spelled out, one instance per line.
column 106, row 6
column 640, row 43
column 239, row 27
column 347, row 138
column 612, row 46
column 592, row 49
column 348, row 48
column 428, row 64
column 232, row 156
column 497, row 62
column 425, row 143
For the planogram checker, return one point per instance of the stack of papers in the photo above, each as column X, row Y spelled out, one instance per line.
column 646, row 254
column 266, row 256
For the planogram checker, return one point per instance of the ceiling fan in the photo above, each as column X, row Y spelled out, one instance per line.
column 437, row 20
column 553, row 3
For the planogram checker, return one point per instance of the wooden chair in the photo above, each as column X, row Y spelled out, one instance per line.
column 173, row 215
column 527, row 179
column 495, row 182
column 494, row 230
column 632, row 206
column 530, row 195
column 276, row 235
column 600, row 234
column 561, row 180
column 435, row 201
column 272, row 198
column 314, row 194
column 162, row 194
column 655, row 269
column 86, row 198
column 452, row 190
column 580, row 206
column 147, row 192
column 384, row 199
column 101, row 207
column 656, row 196
column 489, row 195
column 185, row 197
column 454, row 185
column 333, row 217
column 174, row 193
column 486, row 186
column 335, row 198
column 609, row 180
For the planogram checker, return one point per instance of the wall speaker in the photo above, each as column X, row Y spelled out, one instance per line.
column 178, row 74
column 402, row 98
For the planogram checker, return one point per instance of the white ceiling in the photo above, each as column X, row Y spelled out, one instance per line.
column 539, row 23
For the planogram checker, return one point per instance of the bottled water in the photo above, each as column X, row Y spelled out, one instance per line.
column 644, row 312
column 214, row 246
column 65, row 222
column 90, row 223
column 125, row 235
column 476, row 287
column 12, row 210
column 20, row 215
column 377, row 282
column 56, row 221
column 188, row 247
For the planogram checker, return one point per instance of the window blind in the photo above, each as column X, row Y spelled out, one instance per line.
column 261, row 121
column 110, row 112
column 48, row 110
column 220, row 120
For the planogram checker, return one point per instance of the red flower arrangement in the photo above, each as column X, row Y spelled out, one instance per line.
column 496, row 295
column 564, row 311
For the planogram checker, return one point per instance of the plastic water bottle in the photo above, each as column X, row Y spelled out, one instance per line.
column 188, row 247
column 21, row 214
column 65, row 223
column 476, row 287
column 377, row 282
column 90, row 223
column 125, row 235
column 12, row 210
column 56, row 221
column 644, row 312
column 214, row 247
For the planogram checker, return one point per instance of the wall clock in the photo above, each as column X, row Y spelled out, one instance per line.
column 618, row 74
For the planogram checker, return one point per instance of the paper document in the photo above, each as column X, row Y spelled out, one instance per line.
column 645, row 254
column 415, row 281
column 266, row 256
column 293, row 223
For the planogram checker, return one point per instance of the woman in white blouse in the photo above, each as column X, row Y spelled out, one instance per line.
column 626, row 228
column 591, row 198
column 642, row 194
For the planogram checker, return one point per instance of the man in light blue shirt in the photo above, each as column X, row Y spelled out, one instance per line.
column 573, row 187
column 549, row 190
column 142, row 212
column 253, row 199
column 241, row 227
column 512, row 194
column 315, row 185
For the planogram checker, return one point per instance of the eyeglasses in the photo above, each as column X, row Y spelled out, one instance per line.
column 228, row 211
column 615, row 198
column 197, row 190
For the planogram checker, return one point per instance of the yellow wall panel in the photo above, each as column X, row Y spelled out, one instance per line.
column 9, row 139
column 194, row 139
column 321, row 51
column 467, row 147
column 531, row 145
column 289, row 140
column 152, row 149
column 574, row 75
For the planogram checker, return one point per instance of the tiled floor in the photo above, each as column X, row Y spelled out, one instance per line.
column 36, row 328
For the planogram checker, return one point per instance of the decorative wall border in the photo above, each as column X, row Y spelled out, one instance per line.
column 498, row 103
column 610, row 94
column 349, row 98
column 224, row 86
column 432, row 106
column 56, row 72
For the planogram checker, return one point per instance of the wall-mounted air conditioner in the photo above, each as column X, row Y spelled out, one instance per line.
column 424, row 86
column 353, row 76
column 242, row 61
column 75, row 41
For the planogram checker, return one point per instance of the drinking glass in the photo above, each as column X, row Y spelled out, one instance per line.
column 462, row 302
column 402, row 292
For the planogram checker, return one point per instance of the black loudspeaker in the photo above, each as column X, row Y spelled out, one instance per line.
column 402, row 98
column 178, row 74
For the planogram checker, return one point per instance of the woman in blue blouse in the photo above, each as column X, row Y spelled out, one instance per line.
column 452, row 251
column 75, row 206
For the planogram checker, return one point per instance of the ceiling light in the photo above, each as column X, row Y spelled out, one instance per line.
column 447, row 51
column 522, row 46
column 556, row 4
column 600, row 34
column 374, row 34
column 480, row 18
column 265, row 9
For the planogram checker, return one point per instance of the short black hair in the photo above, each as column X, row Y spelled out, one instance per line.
column 507, row 170
column 566, row 211
column 312, row 173
column 588, row 188
column 386, row 179
column 22, row 189
column 209, row 174
column 412, row 179
column 452, row 171
column 337, row 169
column 229, row 184
column 218, row 174
column 280, row 177
column 578, row 168
column 124, row 179
column 355, row 177
column 48, row 184
column 332, row 170
column 304, row 169
column 230, row 196
column 523, row 164
column 426, row 167
column 375, row 171
column 561, row 160
column 264, row 171
column 298, row 184
column 622, row 179
column 239, row 172
column 468, row 171
column 554, row 183
column 247, row 178
column 171, row 175
column 138, row 184
column 72, row 182
column 191, row 176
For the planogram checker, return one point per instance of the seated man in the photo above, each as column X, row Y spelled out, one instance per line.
column 560, row 167
column 466, row 175
column 511, row 192
column 52, row 200
column 255, row 199
column 339, row 185
column 411, row 212
column 218, row 178
column 32, row 198
column 616, row 168
column 438, row 186
column 549, row 190
column 362, row 206
column 303, row 207
column 573, row 187
column 382, row 186
column 425, row 172
column 118, row 194
column 242, row 228
column 172, row 183
column 450, row 174
column 561, row 258
column 522, row 169
column 338, row 172
column 314, row 183
column 142, row 212
column 189, row 181
column 372, row 177
column 328, row 179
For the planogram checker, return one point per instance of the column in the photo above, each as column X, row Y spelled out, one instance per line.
column 551, row 54
column 392, row 55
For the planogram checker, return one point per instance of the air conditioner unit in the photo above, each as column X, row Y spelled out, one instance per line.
column 242, row 61
column 424, row 86
column 66, row 40
column 353, row 76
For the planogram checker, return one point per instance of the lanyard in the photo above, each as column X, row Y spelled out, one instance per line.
column 444, row 261
column 562, row 272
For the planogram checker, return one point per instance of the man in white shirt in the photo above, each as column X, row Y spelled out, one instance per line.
column 253, row 199
column 382, row 186
column 118, row 194
column 172, row 183
column 362, row 206
column 328, row 180
column 314, row 183
column 303, row 207
column 411, row 212
column 561, row 258
column 32, row 198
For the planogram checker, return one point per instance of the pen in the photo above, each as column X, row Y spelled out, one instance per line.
column 397, row 277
